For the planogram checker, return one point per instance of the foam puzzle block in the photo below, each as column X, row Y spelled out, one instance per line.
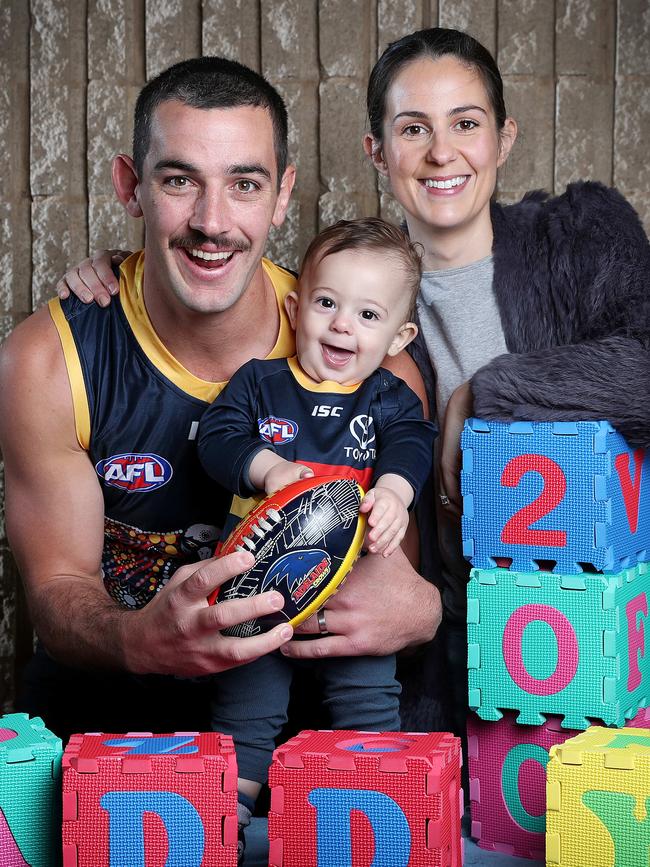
column 30, row 800
column 356, row 799
column 145, row 800
column 598, row 800
column 574, row 645
column 571, row 496
column 507, row 781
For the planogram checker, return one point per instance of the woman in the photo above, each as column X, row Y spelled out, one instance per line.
column 536, row 311
column 539, row 310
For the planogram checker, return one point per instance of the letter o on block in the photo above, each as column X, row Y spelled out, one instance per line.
column 567, row 644
column 519, row 754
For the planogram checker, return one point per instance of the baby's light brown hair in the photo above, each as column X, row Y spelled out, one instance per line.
column 369, row 233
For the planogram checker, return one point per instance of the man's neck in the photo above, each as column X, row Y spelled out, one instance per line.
column 212, row 346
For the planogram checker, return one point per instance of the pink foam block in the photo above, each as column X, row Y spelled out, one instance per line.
column 507, row 770
column 150, row 799
column 353, row 799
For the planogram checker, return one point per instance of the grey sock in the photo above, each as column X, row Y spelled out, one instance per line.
column 243, row 820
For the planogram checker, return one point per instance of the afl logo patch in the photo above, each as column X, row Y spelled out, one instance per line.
column 135, row 473
column 277, row 430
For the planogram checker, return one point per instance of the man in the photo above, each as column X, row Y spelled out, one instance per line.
column 99, row 410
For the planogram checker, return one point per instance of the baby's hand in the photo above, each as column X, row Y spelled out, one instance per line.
column 284, row 473
column 387, row 520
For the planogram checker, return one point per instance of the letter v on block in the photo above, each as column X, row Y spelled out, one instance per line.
column 631, row 490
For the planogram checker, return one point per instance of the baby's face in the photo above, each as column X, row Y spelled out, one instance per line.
column 351, row 312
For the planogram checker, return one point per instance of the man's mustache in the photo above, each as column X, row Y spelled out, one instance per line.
column 198, row 239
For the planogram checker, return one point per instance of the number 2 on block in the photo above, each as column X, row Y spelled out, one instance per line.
column 517, row 529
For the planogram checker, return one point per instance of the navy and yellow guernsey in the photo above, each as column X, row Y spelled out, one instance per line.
column 137, row 412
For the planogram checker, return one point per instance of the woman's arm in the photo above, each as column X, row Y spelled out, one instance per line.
column 572, row 276
column 602, row 379
column 93, row 279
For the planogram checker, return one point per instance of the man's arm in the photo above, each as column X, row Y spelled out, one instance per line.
column 384, row 606
column 55, row 522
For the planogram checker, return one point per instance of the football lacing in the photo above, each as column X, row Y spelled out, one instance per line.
column 260, row 529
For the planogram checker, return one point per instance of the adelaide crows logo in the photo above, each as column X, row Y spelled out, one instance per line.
column 297, row 572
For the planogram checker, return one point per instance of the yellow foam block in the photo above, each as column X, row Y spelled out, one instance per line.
column 598, row 800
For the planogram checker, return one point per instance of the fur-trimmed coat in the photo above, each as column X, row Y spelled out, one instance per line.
column 572, row 283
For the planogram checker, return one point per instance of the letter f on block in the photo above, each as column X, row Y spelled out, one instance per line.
column 636, row 638
column 183, row 824
column 333, row 837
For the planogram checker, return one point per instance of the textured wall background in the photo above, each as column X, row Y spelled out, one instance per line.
column 577, row 77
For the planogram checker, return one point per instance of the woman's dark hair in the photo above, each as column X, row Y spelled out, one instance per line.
column 435, row 42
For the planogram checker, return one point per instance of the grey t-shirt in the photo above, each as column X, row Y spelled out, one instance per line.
column 461, row 327
column 460, row 324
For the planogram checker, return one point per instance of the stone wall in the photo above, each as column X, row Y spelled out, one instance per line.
column 577, row 77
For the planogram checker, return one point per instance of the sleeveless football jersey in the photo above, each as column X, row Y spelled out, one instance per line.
column 137, row 411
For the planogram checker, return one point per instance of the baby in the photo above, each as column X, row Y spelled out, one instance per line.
column 348, row 416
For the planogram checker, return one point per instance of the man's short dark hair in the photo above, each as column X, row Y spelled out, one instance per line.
column 209, row 82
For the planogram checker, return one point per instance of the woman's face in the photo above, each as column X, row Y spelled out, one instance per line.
column 441, row 148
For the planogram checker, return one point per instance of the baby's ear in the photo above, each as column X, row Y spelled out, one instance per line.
column 291, row 306
column 406, row 334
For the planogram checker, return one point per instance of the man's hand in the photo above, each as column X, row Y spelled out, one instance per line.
column 459, row 408
column 93, row 279
column 388, row 519
column 178, row 632
column 383, row 607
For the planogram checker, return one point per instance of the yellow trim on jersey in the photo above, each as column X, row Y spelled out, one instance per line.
column 341, row 573
column 75, row 374
column 327, row 385
column 132, row 298
column 240, row 506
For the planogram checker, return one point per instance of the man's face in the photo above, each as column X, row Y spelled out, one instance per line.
column 209, row 195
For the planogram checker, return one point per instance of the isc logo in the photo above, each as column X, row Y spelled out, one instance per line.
column 135, row 473
column 277, row 430
column 325, row 410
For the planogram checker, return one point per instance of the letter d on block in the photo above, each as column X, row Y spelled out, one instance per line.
column 183, row 824
column 333, row 838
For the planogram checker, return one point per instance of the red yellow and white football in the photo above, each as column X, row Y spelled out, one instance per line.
column 305, row 539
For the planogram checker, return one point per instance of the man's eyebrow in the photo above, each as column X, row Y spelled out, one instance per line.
column 175, row 164
column 250, row 169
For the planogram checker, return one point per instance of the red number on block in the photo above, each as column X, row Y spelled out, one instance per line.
column 631, row 490
column 517, row 530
